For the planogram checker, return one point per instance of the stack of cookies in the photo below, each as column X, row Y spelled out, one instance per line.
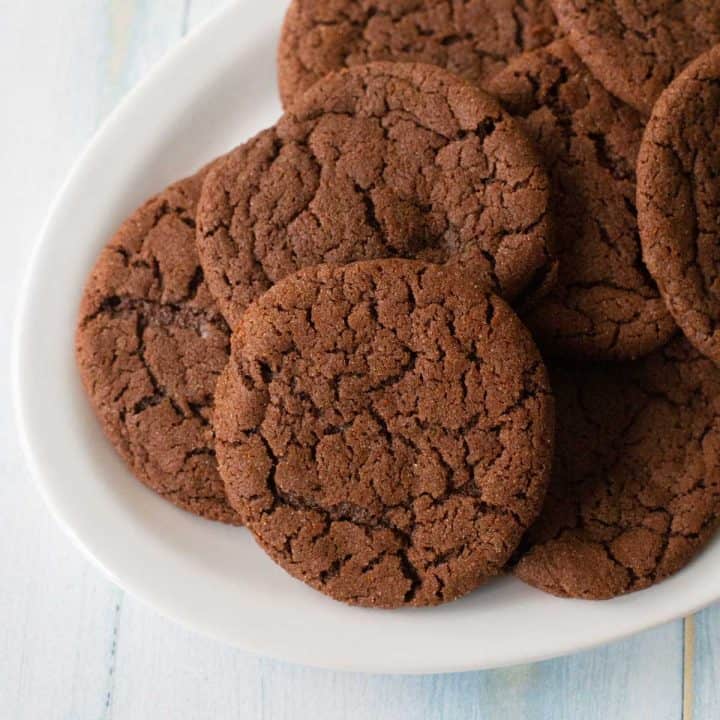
column 456, row 314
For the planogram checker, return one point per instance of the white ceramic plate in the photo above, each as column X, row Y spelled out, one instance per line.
column 214, row 91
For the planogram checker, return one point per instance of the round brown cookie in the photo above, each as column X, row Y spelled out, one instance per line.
column 381, row 160
column 472, row 38
column 636, row 48
column 605, row 303
column 150, row 345
column 679, row 201
column 635, row 492
column 385, row 431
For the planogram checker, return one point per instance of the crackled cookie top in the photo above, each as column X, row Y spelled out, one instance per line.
column 635, row 492
column 472, row 38
column 635, row 49
column 385, row 430
column 150, row 344
column 679, row 201
column 605, row 303
column 381, row 160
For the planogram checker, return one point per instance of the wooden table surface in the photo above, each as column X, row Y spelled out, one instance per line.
column 75, row 647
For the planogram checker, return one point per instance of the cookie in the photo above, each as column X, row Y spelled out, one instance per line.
column 150, row 345
column 635, row 492
column 605, row 304
column 472, row 38
column 382, row 160
column 635, row 49
column 384, row 430
column 679, row 201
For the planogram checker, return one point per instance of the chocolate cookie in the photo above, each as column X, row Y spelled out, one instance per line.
column 385, row 431
column 472, row 38
column 635, row 492
column 636, row 48
column 150, row 344
column 679, row 201
column 605, row 303
column 381, row 160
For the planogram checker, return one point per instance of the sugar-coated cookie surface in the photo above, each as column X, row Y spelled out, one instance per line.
column 382, row 160
column 150, row 345
column 385, row 430
column 472, row 38
column 635, row 492
column 636, row 48
column 605, row 304
column 679, row 201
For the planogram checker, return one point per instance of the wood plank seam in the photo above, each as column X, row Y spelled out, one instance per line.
column 185, row 18
column 688, row 670
column 112, row 661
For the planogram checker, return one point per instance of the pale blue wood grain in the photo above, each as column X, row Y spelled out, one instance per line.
column 171, row 670
column 634, row 679
column 139, row 33
column 706, row 665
